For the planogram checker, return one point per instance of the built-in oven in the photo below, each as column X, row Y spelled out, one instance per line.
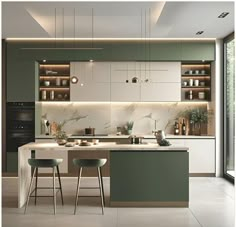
column 20, row 124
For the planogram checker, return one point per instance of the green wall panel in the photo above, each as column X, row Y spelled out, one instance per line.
column 149, row 176
column 165, row 51
column 198, row 51
column 12, row 162
column 21, row 74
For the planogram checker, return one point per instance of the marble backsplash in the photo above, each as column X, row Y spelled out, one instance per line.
column 106, row 117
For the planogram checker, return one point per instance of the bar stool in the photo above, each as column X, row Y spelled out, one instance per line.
column 96, row 163
column 44, row 163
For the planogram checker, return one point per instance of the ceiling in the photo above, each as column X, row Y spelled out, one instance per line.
column 153, row 19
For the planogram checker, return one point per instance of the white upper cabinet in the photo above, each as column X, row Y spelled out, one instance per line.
column 114, row 81
column 160, row 92
column 162, row 82
column 125, row 92
column 93, row 81
column 169, row 72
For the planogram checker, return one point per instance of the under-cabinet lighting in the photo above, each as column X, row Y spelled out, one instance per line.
column 53, row 77
column 54, row 88
column 52, row 65
column 105, row 39
column 44, row 60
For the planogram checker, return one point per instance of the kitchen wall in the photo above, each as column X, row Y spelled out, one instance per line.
column 105, row 117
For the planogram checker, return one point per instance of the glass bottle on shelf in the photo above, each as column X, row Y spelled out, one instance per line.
column 191, row 95
column 183, row 128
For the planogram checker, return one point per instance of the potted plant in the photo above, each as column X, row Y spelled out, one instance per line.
column 60, row 135
column 197, row 117
column 129, row 127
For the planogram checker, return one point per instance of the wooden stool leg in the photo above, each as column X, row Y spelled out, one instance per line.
column 59, row 178
column 28, row 197
column 54, row 191
column 36, row 186
column 77, row 190
column 100, row 187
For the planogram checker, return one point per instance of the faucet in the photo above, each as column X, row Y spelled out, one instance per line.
column 155, row 129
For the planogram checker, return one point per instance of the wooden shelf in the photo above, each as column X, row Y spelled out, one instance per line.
column 201, row 77
column 55, row 73
column 54, row 88
column 196, row 87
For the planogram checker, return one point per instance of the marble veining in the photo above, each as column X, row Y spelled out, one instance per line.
column 106, row 117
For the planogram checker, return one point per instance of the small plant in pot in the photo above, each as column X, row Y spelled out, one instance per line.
column 60, row 135
column 129, row 127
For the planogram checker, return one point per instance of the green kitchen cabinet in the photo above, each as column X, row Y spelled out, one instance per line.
column 165, row 51
column 147, row 177
column 128, row 51
column 12, row 162
column 198, row 51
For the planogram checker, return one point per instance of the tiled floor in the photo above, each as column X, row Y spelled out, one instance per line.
column 211, row 205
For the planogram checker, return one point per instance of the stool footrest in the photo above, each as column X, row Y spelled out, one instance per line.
column 88, row 187
column 89, row 196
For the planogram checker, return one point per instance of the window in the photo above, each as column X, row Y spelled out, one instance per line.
column 229, row 107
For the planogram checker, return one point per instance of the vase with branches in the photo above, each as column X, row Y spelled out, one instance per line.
column 197, row 117
column 129, row 127
column 60, row 135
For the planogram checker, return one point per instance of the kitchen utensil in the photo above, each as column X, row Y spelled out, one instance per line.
column 85, row 143
column 203, row 72
column 190, row 82
column 160, row 135
column 46, row 83
column 202, row 83
column 185, row 83
column 190, row 71
column 95, row 141
column 196, row 82
column 89, row 131
column 58, row 81
column 201, row 95
column 196, row 71
column 64, row 82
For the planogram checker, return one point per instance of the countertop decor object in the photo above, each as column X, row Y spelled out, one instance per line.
column 129, row 127
column 164, row 142
column 60, row 135
column 160, row 135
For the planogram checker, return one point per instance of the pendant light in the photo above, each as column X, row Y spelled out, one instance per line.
column 65, row 48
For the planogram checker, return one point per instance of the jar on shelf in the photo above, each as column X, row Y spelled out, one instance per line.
column 44, row 95
column 51, row 95
column 190, row 95
column 58, row 81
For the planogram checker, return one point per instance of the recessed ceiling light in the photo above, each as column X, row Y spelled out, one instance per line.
column 91, row 60
column 44, row 60
column 199, row 32
column 223, row 15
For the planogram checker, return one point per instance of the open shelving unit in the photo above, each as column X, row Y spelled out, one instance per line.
column 196, row 79
column 54, row 82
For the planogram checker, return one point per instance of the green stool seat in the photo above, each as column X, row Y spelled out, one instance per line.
column 88, row 163
column 44, row 163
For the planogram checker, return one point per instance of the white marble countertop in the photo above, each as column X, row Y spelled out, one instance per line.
column 168, row 136
column 102, row 146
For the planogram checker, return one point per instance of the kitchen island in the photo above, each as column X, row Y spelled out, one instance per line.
column 141, row 175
